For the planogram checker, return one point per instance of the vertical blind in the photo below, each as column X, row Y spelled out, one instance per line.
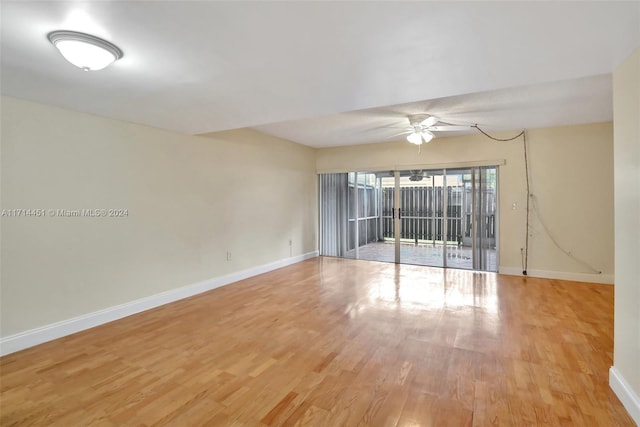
column 333, row 214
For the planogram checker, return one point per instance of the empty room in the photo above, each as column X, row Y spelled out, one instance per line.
column 320, row 213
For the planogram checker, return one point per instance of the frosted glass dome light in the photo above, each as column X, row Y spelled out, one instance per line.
column 418, row 138
column 414, row 138
column 85, row 51
column 427, row 136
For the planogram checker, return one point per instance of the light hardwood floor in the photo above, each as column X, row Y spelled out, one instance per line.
column 335, row 342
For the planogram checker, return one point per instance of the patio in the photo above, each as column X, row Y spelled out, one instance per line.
column 422, row 254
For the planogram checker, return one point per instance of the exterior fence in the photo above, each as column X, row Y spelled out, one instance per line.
column 422, row 215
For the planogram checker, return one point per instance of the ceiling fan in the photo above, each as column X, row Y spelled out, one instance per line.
column 418, row 175
column 422, row 126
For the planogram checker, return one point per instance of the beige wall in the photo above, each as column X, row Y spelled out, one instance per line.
column 571, row 170
column 189, row 199
column 626, row 114
column 192, row 199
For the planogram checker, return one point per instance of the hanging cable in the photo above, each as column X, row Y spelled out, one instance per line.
column 524, row 252
column 531, row 201
column 498, row 139
column 525, row 264
column 555, row 242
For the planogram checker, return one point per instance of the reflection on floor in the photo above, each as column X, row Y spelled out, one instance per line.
column 422, row 254
column 338, row 343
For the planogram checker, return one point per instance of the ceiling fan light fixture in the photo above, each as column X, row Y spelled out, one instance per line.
column 415, row 138
column 85, row 51
column 427, row 136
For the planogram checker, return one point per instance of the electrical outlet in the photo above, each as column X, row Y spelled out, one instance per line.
column 228, row 256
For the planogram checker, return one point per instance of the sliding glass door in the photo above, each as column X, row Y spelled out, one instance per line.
column 459, row 218
column 434, row 217
column 421, row 213
column 485, row 211
column 364, row 217
column 353, row 223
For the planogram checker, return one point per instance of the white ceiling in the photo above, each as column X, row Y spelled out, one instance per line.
column 306, row 70
column 568, row 102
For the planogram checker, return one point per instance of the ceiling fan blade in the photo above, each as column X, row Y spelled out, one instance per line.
column 398, row 134
column 390, row 126
column 430, row 121
column 449, row 128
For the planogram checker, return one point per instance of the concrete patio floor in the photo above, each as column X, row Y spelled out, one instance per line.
column 422, row 254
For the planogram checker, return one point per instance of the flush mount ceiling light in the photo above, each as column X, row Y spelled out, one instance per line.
column 85, row 51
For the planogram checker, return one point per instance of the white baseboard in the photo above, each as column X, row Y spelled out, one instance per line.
column 30, row 338
column 560, row 275
column 630, row 400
